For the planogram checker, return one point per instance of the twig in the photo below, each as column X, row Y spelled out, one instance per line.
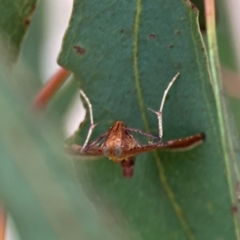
column 49, row 90
column 3, row 222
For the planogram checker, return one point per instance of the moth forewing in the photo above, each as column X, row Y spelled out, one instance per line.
column 181, row 144
column 96, row 143
column 185, row 144
column 144, row 149
column 77, row 152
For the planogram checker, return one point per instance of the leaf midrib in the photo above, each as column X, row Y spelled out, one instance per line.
column 162, row 175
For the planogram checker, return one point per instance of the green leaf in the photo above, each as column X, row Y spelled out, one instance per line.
column 124, row 54
column 14, row 21
column 38, row 185
column 227, row 53
column 224, row 36
column 200, row 6
column 235, row 106
column 31, row 48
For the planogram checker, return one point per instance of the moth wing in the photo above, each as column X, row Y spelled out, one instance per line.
column 144, row 149
column 76, row 151
column 184, row 144
column 177, row 144
column 97, row 143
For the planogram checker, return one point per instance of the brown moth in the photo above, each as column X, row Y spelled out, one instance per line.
column 119, row 145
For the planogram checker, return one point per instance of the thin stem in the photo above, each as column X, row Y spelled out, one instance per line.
column 50, row 89
column 3, row 222
column 220, row 102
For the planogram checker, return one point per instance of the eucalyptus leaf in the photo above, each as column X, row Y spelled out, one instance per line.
column 123, row 55
column 227, row 53
column 38, row 186
column 14, row 22
column 235, row 106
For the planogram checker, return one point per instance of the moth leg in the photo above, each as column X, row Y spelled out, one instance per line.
column 143, row 133
column 88, row 152
column 91, row 118
column 159, row 113
column 96, row 141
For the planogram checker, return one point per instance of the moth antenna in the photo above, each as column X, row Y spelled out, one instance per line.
column 82, row 93
column 159, row 113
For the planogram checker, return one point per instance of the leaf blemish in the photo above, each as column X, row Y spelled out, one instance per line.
column 234, row 209
column 80, row 50
column 178, row 32
column 170, row 46
column 27, row 22
column 34, row 7
column 151, row 36
column 192, row 5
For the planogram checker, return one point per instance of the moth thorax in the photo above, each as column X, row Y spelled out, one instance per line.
column 118, row 151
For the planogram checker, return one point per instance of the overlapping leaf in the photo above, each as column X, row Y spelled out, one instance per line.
column 38, row 186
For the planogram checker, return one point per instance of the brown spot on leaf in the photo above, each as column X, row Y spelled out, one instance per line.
column 151, row 36
column 192, row 6
column 234, row 209
column 170, row 46
column 80, row 50
column 28, row 19
column 34, row 7
column 178, row 32
column 27, row 22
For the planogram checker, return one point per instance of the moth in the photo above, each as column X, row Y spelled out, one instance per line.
column 120, row 146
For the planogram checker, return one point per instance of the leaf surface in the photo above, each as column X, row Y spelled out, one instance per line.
column 15, row 19
column 124, row 54
column 38, row 186
column 235, row 104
